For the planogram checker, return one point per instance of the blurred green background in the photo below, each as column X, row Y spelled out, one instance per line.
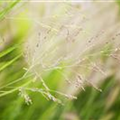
column 90, row 104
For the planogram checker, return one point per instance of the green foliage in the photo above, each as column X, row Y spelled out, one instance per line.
column 90, row 104
column 8, row 8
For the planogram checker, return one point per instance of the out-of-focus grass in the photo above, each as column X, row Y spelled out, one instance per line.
column 91, row 104
column 8, row 8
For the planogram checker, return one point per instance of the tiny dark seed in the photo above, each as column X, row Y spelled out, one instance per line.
column 89, row 41
column 37, row 45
